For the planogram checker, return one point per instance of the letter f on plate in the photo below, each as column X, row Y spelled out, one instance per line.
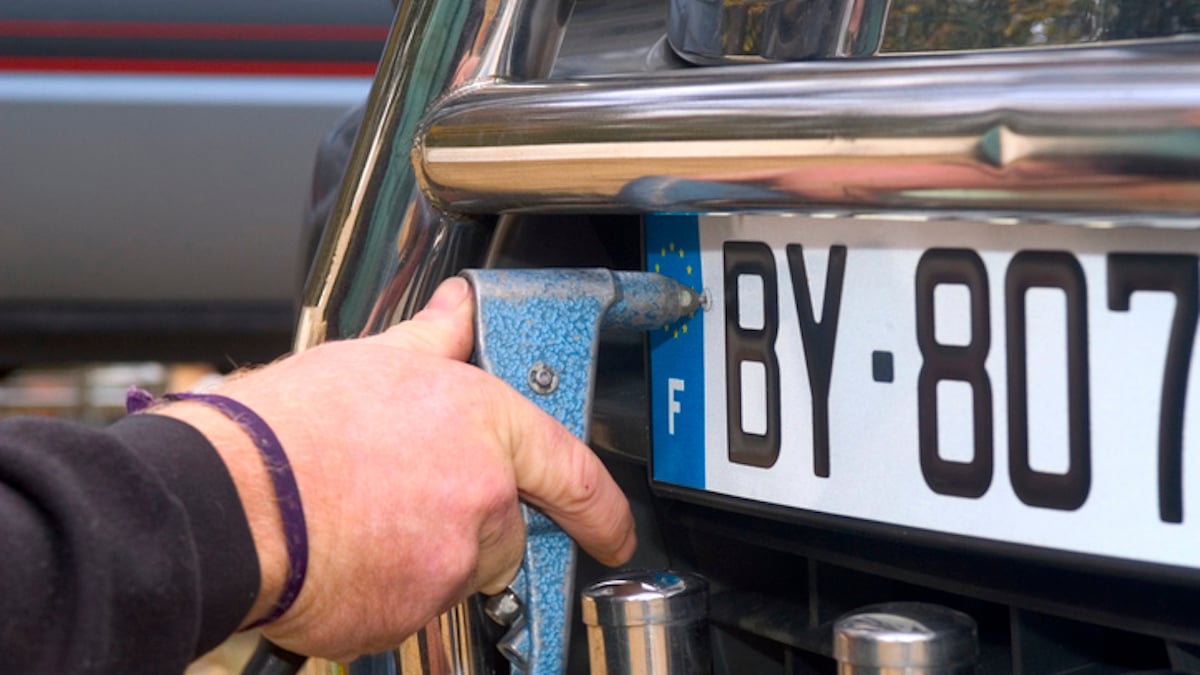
column 674, row 407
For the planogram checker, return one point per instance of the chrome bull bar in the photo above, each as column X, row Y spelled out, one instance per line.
column 454, row 135
column 462, row 126
column 1083, row 130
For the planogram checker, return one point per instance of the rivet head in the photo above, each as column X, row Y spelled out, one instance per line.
column 542, row 378
column 503, row 608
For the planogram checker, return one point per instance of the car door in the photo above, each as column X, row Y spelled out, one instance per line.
column 157, row 163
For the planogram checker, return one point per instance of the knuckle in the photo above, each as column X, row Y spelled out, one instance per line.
column 459, row 563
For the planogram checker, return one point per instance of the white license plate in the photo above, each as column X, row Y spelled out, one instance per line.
column 1017, row 383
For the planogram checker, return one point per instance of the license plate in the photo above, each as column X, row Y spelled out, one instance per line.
column 1026, row 384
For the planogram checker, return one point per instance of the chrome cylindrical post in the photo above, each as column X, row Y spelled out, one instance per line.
column 905, row 637
column 648, row 623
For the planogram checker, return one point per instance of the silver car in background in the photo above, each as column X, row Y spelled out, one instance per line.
column 157, row 160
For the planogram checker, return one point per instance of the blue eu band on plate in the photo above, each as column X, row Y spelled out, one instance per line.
column 1026, row 384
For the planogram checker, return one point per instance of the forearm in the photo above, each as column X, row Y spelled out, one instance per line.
column 126, row 549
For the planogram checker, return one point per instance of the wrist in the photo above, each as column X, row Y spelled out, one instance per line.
column 255, row 491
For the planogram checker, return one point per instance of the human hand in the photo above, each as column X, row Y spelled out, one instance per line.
column 410, row 464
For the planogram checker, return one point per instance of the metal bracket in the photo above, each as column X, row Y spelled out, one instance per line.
column 539, row 331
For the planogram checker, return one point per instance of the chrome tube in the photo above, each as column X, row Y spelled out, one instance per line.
column 913, row 638
column 370, row 269
column 648, row 623
column 1081, row 130
column 386, row 248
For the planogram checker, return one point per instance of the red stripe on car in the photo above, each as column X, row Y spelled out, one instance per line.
column 157, row 30
column 183, row 66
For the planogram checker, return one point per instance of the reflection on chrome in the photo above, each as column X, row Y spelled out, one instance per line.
column 732, row 31
column 753, row 31
column 927, row 25
column 381, row 234
column 1076, row 130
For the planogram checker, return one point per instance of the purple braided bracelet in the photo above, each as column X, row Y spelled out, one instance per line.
column 287, row 493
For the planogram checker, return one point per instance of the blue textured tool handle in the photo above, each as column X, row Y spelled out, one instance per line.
column 548, row 322
column 537, row 643
column 524, row 318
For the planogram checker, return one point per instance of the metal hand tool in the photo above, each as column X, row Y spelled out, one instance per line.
column 539, row 331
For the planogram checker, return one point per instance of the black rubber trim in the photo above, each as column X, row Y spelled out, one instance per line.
column 226, row 334
column 1152, row 599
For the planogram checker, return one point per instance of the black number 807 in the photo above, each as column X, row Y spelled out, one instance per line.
column 1127, row 273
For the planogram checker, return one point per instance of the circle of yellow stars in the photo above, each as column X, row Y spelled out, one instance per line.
column 658, row 268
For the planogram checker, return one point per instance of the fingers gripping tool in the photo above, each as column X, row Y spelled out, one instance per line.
column 538, row 330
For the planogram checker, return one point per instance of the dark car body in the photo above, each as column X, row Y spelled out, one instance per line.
column 982, row 122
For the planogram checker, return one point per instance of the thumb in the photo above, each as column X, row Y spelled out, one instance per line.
column 443, row 328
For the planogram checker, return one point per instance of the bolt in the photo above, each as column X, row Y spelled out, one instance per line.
column 542, row 378
column 503, row 608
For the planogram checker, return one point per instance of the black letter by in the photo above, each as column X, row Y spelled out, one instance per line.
column 819, row 338
column 755, row 345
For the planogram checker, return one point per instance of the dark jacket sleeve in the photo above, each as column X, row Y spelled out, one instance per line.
column 122, row 550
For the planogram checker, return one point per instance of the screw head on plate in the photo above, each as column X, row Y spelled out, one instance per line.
column 542, row 378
